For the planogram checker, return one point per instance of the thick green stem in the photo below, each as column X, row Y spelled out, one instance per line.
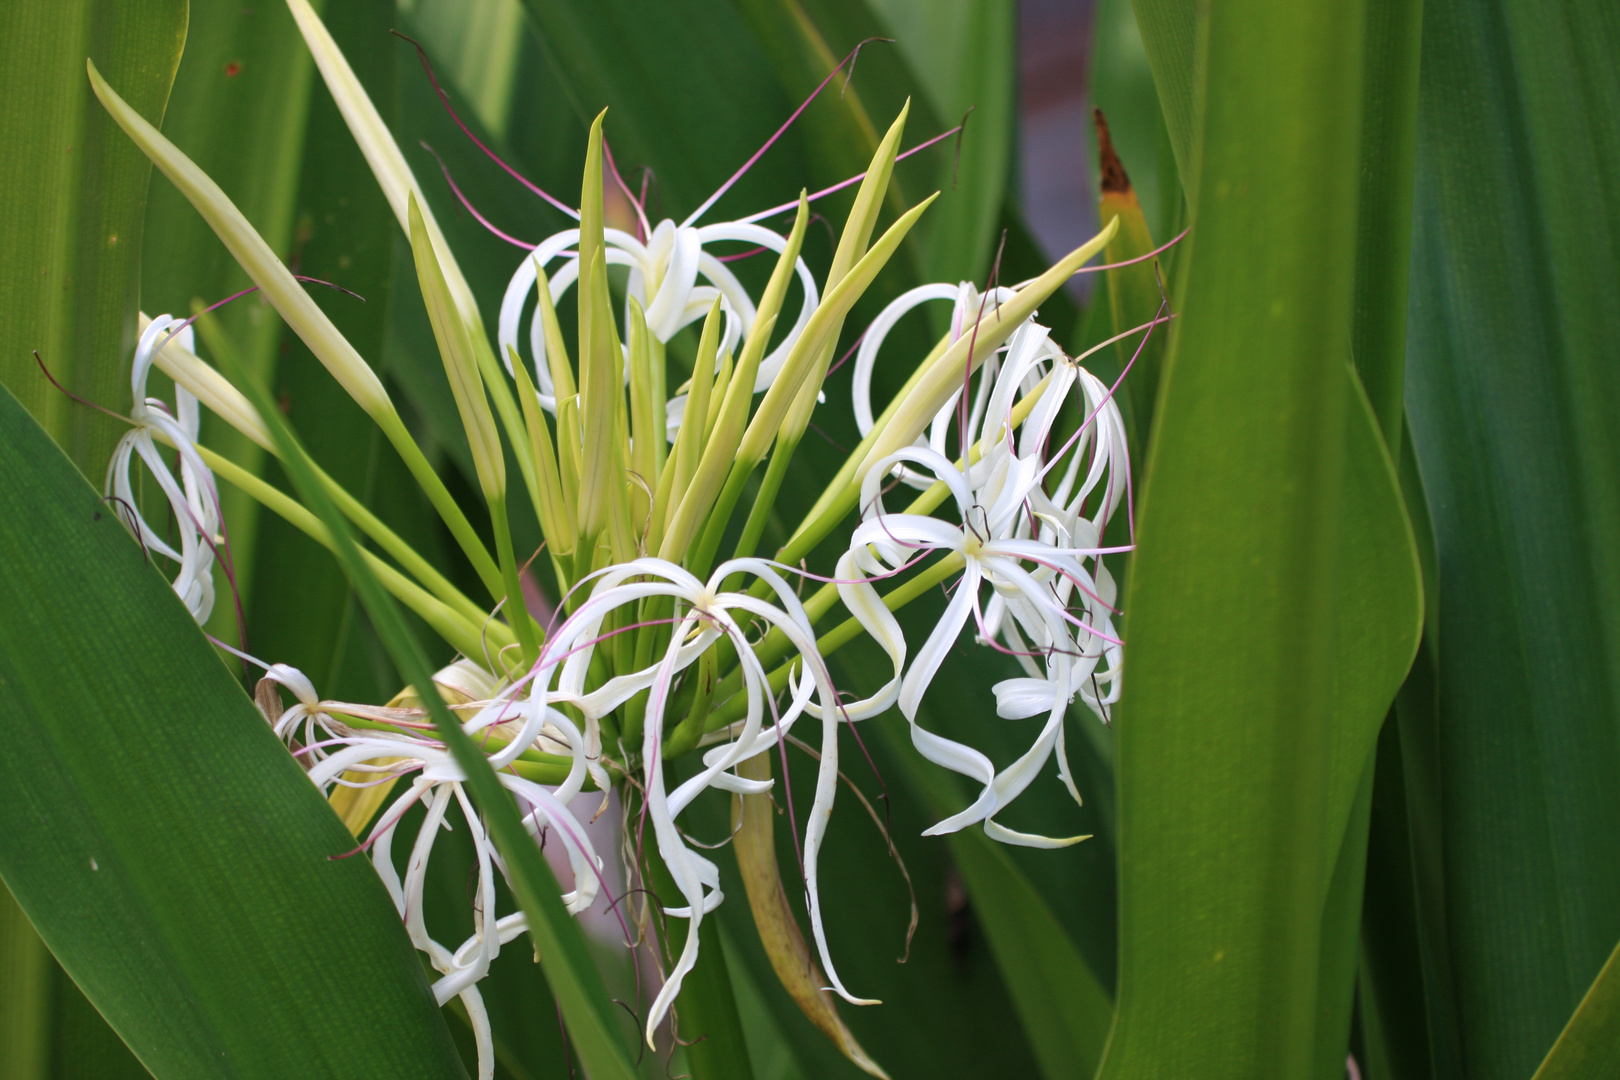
column 702, row 557
column 765, row 501
column 517, row 611
column 648, row 638
column 688, row 731
column 439, row 495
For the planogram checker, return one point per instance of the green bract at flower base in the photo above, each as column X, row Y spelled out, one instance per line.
column 653, row 655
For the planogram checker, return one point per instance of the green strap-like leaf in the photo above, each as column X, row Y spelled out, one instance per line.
column 1268, row 631
column 964, row 54
column 1066, row 1013
column 170, row 852
column 1167, row 28
column 1384, row 215
column 654, row 63
column 1062, row 1006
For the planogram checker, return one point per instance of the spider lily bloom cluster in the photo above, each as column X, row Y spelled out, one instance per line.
column 657, row 652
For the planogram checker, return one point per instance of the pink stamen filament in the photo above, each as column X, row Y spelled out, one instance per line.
column 75, row 397
column 216, row 305
column 644, row 228
column 1092, row 415
column 919, row 148
column 842, row 360
column 470, row 208
column 750, row 253
column 444, row 99
column 749, row 164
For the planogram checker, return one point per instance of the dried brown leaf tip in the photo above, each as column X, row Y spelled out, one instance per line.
column 1114, row 179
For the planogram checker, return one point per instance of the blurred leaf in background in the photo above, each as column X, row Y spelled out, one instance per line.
column 71, row 227
column 1512, row 392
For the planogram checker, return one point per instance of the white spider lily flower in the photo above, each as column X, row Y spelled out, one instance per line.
column 704, row 614
column 664, row 275
column 991, row 554
column 1058, row 519
column 339, row 754
column 193, row 499
column 966, row 305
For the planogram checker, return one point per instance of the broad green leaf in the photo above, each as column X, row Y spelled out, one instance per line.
column 1389, row 82
column 947, row 1011
column 1394, row 1013
column 481, row 42
column 1378, row 607
column 1341, row 937
column 1258, row 471
column 1065, row 1012
column 769, row 1051
column 1407, row 974
column 1590, row 1043
column 1122, row 87
column 1511, row 395
column 1035, row 913
column 81, row 1042
column 1378, row 348
column 71, row 222
column 946, row 57
column 169, row 850
column 839, row 133
column 1167, row 30
column 1384, row 215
